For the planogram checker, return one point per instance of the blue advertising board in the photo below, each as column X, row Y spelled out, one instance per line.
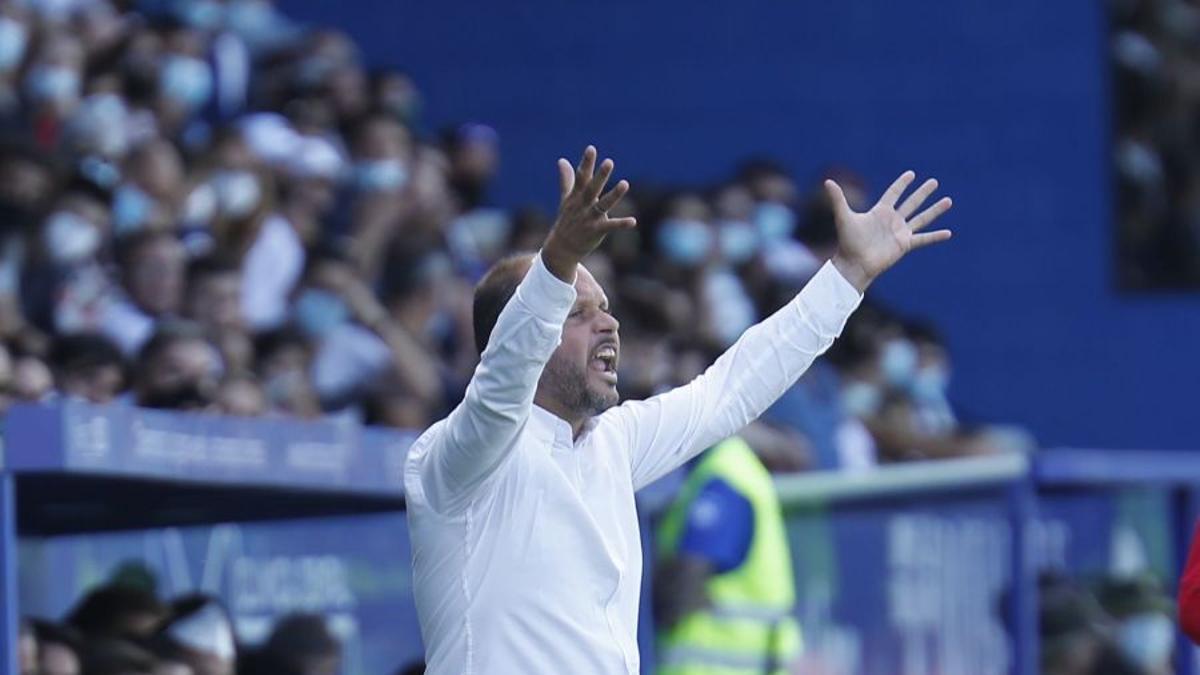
column 355, row 571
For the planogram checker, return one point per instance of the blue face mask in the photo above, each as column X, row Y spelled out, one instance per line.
column 13, row 39
column 380, row 175
column 186, row 80
column 69, row 238
column 319, row 312
column 899, row 362
column 930, row 383
column 685, row 242
column 100, row 171
column 238, row 192
column 201, row 14
column 131, row 209
column 52, row 83
column 861, row 399
column 1147, row 640
column 775, row 222
column 739, row 242
column 258, row 24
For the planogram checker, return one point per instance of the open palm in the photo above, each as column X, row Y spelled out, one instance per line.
column 871, row 242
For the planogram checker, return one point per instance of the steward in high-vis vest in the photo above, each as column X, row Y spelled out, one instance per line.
column 724, row 591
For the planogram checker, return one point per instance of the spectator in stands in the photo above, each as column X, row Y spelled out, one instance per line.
column 32, row 379
column 88, row 367
column 474, row 153
column 300, row 644
column 149, row 196
column 213, row 300
column 15, row 37
column 52, row 84
column 117, row 611
column 284, row 366
column 357, row 341
column 153, row 265
column 241, row 395
column 394, row 92
column 378, row 183
column 178, row 368
column 57, row 648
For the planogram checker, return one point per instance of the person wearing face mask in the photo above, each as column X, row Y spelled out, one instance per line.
column 284, row 363
column 14, row 39
column 379, row 183
column 52, row 85
column 930, row 380
column 358, row 342
column 184, row 79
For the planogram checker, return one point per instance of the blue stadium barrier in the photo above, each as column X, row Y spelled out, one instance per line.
column 911, row 568
column 271, row 515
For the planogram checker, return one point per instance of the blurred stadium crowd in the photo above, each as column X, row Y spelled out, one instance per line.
column 122, row 628
column 1157, row 126
column 205, row 206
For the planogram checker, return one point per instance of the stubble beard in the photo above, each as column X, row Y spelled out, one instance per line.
column 570, row 386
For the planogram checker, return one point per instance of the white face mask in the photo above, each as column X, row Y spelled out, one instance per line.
column 56, row 84
column 13, row 39
column 69, row 238
column 1147, row 639
column 238, row 193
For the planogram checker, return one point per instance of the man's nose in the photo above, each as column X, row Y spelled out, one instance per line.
column 607, row 323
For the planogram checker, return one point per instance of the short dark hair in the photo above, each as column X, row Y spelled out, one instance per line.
column 103, row 609
column 300, row 636
column 85, row 351
column 166, row 335
column 494, row 291
column 210, row 265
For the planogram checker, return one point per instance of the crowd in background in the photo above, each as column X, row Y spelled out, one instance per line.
column 206, row 206
column 1156, row 55
column 1118, row 626
column 123, row 628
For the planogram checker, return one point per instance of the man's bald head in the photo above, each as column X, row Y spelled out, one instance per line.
column 494, row 291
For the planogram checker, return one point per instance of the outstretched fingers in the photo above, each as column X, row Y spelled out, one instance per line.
column 927, row 238
column 841, row 208
column 620, row 223
column 592, row 190
column 566, row 178
column 897, row 188
column 916, row 199
column 613, row 196
column 924, row 218
column 587, row 164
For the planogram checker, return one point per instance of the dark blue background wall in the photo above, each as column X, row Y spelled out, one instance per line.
column 1005, row 102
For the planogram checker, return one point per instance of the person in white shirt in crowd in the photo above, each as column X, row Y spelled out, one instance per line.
column 526, row 546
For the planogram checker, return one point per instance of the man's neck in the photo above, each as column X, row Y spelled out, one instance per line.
column 552, row 406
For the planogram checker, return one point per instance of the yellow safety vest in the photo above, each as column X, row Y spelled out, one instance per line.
column 749, row 630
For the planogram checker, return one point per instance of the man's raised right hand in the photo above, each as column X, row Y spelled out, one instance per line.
column 583, row 220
